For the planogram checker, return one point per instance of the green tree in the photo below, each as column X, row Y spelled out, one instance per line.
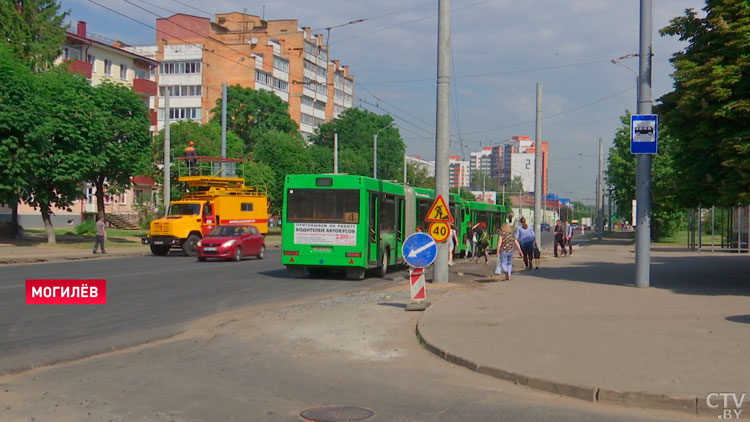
column 33, row 30
column 322, row 159
column 251, row 114
column 285, row 153
column 62, row 105
column 121, row 149
column 709, row 108
column 17, row 119
column 419, row 176
column 261, row 174
column 356, row 128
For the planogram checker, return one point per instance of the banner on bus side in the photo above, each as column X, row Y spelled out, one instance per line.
column 325, row 234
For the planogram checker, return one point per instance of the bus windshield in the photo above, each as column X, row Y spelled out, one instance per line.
column 185, row 209
column 323, row 206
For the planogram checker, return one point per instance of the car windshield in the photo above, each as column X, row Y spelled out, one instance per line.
column 226, row 231
column 185, row 209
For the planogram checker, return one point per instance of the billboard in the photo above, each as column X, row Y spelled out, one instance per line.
column 490, row 197
column 523, row 165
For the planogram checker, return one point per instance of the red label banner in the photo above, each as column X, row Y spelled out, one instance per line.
column 66, row 292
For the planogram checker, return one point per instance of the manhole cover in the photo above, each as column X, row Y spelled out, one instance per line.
column 336, row 414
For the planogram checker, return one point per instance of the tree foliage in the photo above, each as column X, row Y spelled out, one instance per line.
column 419, row 176
column 121, row 148
column 251, row 114
column 33, row 30
column 62, row 104
column 356, row 128
column 287, row 154
column 709, row 108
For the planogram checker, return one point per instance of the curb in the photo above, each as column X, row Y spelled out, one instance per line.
column 690, row 405
column 39, row 260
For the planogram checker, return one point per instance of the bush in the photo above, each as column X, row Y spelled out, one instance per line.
column 87, row 227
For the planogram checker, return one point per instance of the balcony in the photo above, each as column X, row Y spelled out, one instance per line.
column 81, row 67
column 152, row 117
column 144, row 86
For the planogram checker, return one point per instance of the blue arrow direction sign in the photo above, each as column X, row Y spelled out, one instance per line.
column 644, row 134
column 419, row 250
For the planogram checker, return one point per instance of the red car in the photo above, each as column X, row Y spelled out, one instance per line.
column 232, row 241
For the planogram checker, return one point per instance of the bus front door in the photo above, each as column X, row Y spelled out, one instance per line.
column 372, row 253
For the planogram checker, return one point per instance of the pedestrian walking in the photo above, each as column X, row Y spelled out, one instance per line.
column 101, row 233
column 482, row 242
column 453, row 243
column 192, row 158
column 527, row 238
column 505, row 251
column 469, row 240
column 568, row 234
column 559, row 237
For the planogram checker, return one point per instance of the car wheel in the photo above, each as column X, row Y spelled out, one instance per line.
column 189, row 246
column 201, row 259
column 237, row 254
column 261, row 252
column 159, row 250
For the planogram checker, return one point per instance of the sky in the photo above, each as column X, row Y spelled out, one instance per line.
column 500, row 50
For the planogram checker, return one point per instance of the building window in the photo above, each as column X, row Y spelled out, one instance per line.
column 307, row 101
column 180, row 67
column 181, row 113
column 281, row 64
column 181, row 90
column 322, row 71
column 141, row 74
column 108, row 67
column 310, row 48
column 92, row 59
column 319, row 105
column 280, row 85
column 308, row 119
column 263, row 78
column 123, row 72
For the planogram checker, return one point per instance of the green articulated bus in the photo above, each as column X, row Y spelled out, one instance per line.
column 357, row 223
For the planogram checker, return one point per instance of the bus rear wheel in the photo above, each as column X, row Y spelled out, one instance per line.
column 159, row 250
column 383, row 268
column 355, row 273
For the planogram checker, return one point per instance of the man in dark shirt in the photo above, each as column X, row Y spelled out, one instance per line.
column 192, row 158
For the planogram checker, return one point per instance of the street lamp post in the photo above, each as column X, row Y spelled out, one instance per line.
column 375, row 150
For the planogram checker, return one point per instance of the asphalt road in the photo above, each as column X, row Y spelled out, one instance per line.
column 148, row 298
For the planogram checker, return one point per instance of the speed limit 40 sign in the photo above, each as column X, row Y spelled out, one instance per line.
column 440, row 231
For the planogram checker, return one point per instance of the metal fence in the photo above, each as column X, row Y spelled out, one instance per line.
column 719, row 229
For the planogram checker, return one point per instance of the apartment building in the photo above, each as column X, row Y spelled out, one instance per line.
column 486, row 162
column 197, row 55
column 517, row 157
column 458, row 172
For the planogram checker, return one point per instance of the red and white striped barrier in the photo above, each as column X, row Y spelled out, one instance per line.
column 418, row 292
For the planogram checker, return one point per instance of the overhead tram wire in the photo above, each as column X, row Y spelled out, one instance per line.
column 379, row 99
column 395, row 12
column 362, row 100
column 158, row 7
column 411, row 21
column 193, row 7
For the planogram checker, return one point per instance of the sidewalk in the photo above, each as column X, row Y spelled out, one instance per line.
column 24, row 252
column 579, row 328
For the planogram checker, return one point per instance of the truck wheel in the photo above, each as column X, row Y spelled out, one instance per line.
column 189, row 246
column 159, row 250
column 237, row 256
column 355, row 273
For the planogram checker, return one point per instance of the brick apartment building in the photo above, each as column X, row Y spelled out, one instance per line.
column 197, row 55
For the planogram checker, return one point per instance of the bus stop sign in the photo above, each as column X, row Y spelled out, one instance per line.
column 644, row 134
column 419, row 250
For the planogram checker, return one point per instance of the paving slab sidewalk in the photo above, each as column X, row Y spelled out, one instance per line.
column 578, row 327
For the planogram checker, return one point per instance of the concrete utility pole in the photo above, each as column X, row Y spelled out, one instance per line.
column 223, row 121
column 538, row 193
column 335, row 153
column 167, row 158
column 442, row 129
column 375, row 150
column 600, row 191
column 643, row 164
